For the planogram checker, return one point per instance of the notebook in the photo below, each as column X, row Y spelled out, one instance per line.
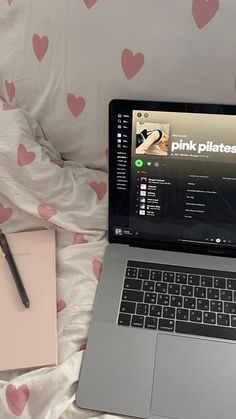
column 162, row 342
column 29, row 335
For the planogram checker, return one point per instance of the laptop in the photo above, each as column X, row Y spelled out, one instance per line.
column 162, row 339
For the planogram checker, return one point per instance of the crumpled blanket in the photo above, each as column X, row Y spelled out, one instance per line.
column 40, row 190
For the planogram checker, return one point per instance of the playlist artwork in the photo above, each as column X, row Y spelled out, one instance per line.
column 152, row 138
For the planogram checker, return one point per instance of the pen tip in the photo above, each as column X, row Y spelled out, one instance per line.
column 27, row 304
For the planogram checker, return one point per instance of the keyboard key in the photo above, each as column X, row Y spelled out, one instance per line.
column 187, row 290
column 169, row 312
column 143, row 273
column 167, row 325
column 231, row 284
column 207, row 281
column 156, row 275
column 150, row 298
column 193, row 279
column 148, row 286
column 226, row 295
column 133, row 295
column 176, row 301
column 202, row 304
column 181, row 278
column 124, row 319
column 195, row 316
column 137, row 321
column 182, row 314
column 219, row 283
column 216, row 306
column 155, row 311
column 189, row 302
column 168, row 276
column 209, row 317
column 233, row 320
column 127, row 307
column 131, row 272
column 205, row 330
column 173, row 289
column 151, row 323
column 142, row 309
column 163, row 299
column 134, row 284
column 230, row 308
column 213, row 294
column 200, row 292
column 223, row 319
column 161, row 287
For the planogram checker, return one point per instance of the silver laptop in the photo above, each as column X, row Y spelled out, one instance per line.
column 162, row 338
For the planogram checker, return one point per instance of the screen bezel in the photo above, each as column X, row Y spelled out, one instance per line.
column 123, row 105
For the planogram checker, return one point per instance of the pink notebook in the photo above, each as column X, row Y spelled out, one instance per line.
column 28, row 336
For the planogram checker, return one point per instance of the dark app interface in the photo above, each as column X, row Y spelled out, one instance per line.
column 182, row 178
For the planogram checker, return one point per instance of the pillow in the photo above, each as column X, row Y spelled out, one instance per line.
column 63, row 61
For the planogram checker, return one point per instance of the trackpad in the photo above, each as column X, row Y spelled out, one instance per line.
column 194, row 378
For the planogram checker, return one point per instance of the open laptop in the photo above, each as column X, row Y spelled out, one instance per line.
column 162, row 338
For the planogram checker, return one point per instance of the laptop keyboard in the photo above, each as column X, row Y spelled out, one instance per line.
column 179, row 299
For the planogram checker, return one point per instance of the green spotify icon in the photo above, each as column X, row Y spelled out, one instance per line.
column 138, row 163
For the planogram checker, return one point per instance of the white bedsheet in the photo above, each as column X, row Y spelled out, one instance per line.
column 39, row 190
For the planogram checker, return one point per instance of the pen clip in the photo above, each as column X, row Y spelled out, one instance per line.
column 3, row 242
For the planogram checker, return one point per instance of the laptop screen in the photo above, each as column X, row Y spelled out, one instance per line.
column 172, row 170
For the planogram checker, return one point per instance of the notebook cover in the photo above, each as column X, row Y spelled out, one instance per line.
column 28, row 336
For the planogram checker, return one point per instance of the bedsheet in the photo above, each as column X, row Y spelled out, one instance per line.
column 40, row 190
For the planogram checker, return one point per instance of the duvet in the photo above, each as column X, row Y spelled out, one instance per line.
column 40, row 190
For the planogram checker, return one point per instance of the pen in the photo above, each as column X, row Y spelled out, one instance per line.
column 11, row 263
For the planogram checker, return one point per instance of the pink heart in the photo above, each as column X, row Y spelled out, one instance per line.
column 40, row 46
column 131, row 63
column 10, row 88
column 46, row 212
column 24, row 157
column 9, row 2
column 17, row 398
column 97, row 268
column 89, row 3
column 8, row 106
column 75, row 104
column 203, row 11
column 99, row 188
column 83, row 345
column 5, row 213
column 79, row 239
column 59, row 162
column 61, row 305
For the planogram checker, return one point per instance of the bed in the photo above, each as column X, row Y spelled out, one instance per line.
column 61, row 63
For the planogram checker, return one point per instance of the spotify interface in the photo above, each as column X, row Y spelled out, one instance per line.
column 175, row 177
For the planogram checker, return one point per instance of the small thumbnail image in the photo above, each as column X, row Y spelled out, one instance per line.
column 143, row 199
column 143, row 186
column 142, row 206
column 118, row 231
column 143, row 179
column 141, row 212
column 143, row 193
column 152, row 138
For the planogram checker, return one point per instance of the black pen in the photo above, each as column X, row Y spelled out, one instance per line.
column 11, row 263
